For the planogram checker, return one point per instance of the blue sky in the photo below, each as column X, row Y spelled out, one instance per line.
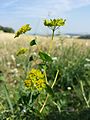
column 15, row 13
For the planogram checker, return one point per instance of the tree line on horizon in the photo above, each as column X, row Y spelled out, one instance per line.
column 7, row 29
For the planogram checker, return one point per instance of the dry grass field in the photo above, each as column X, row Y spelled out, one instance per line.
column 9, row 45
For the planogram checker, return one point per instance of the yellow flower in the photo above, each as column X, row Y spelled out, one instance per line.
column 37, row 79
column 22, row 30
column 21, row 51
column 40, row 84
column 28, row 83
column 54, row 22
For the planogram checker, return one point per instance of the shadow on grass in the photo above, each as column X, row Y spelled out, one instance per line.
column 82, row 115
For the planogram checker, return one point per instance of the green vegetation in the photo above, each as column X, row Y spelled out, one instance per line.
column 7, row 29
column 45, row 83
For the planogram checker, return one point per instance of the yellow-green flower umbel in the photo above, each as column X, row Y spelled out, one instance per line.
column 21, row 51
column 35, row 80
column 54, row 24
column 22, row 30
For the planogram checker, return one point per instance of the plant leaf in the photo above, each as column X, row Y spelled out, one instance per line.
column 34, row 97
column 31, row 58
column 49, row 90
column 45, row 57
column 33, row 42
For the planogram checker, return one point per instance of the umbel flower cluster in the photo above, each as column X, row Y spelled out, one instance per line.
column 54, row 22
column 21, row 51
column 22, row 30
column 35, row 80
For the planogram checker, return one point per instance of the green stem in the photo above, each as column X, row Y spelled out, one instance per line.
column 51, row 42
column 53, row 33
column 30, row 101
column 45, row 76
column 83, row 93
column 48, row 94
column 55, row 79
column 44, row 103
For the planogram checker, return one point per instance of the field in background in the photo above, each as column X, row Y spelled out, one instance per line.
column 9, row 45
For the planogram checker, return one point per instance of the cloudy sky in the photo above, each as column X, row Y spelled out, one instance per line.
column 15, row 13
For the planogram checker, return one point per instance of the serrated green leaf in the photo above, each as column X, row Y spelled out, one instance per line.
column 33, row 42
column 45, row 57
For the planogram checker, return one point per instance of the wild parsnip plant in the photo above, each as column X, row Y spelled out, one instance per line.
column 35, row 88
column 54, row 24
column 46, row 85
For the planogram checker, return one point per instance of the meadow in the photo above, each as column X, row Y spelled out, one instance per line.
column 65, row 64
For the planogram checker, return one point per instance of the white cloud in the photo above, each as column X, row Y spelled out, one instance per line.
column 61, row 6
column 41, row 8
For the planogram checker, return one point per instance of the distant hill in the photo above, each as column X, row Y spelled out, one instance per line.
column 79, row 36
column 73, row 34
column 84, row 36
column 7, row 29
